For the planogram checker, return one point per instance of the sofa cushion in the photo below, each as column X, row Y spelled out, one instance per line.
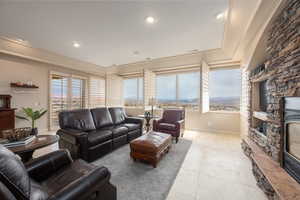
column 131, row 126
column 99, row 136
column 80, row 119
column 119, row 131
column 166, row 126
column 117, row 114
column 101, row 117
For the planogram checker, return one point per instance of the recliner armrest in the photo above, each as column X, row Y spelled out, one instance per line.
column 156, row 122
column 78, row 189
column 42, row 167
column 134, row 120
column 179, row 124
column 73, row 136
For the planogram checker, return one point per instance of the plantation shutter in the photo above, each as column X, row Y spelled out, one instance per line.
column 58, row 98
column 96, row 92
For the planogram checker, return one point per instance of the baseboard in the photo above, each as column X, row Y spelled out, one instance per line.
column 214, row 131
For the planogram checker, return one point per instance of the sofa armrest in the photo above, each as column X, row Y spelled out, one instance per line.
column 134, row 120
column 75, row 141
column 42, row 167
column 82, row 187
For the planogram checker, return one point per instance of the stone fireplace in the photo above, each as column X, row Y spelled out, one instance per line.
column 272, row 143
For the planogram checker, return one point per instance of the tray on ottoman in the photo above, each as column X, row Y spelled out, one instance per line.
column 150, row 147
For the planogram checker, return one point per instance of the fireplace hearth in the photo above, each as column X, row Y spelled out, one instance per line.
column 291, row 143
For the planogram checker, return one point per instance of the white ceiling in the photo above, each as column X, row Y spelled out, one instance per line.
column 109, row 32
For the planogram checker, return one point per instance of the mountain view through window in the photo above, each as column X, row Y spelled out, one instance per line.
column 225, row 89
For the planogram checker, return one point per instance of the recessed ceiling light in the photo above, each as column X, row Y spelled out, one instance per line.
column 76, row 44
column 220, row 16
column 150, row 20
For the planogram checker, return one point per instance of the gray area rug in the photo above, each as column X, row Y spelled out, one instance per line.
column 140, row 181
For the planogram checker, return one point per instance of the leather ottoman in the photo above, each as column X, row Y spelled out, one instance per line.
column 150, row 147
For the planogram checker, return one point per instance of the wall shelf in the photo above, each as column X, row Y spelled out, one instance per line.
column 263, row 76
column 15, row 85
column 259, row 133
column 263, row 116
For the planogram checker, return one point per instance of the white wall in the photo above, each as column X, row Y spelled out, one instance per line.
column 13, row 69
column 220, row 122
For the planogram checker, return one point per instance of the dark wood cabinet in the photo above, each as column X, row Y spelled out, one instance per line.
column 7, row 119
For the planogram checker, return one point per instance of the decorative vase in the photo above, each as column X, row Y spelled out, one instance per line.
column 34, row 131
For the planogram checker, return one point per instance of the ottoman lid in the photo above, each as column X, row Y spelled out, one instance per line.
column 151, row 142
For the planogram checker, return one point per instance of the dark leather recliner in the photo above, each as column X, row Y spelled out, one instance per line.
column 54, row 176
column 172, row 122
column 90, row 134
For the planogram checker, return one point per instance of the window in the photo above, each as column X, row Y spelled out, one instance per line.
column 133, row 91
column 67, row 92
column 166, row 89
column 178, row 89
column 59, row 93
column 225, row 89
column 96, row 92
column 78, row 97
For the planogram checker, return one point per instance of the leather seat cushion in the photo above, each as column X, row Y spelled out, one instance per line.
column 132, row 126
column 99, row 136
column 70, row 174
column 119, row 131
column 166, row 126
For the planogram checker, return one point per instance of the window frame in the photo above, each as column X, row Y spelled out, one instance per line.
column 92, row 103
column 209, row 89
column 69, row 95
column 177, row 90
column 138, row 101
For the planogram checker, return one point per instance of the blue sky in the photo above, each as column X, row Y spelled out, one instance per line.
column 225, row 83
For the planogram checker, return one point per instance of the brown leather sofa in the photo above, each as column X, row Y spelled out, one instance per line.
column 172, row 122
column 90, row 134
column 54, row 176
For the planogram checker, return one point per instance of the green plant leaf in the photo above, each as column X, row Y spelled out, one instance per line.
column 21, row 117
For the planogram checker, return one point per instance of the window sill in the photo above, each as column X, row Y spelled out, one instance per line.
column 224, row 112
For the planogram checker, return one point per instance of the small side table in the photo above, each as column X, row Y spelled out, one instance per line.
column 148, row 119
column 26, row 151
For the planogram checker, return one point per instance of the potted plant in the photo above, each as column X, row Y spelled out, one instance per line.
column 32, row 115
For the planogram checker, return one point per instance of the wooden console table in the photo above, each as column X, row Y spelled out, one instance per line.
column 26, row 151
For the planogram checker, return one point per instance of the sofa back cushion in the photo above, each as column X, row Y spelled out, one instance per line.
column 102, row 117
column 13, row 174
column 173, row 115
column 117, row 115
column 80, row 119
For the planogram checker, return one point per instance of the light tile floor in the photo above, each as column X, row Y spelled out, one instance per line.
column 215, row 168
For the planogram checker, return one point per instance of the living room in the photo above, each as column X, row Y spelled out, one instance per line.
column 149, row 100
